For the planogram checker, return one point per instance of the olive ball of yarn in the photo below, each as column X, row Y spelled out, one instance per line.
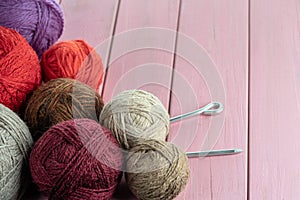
column 73, row 59
column 15, row 143
column 39, row 21
column 20, row 71
column 76, row 160
column 133, row 115
column 156, row 170
column 60, row 100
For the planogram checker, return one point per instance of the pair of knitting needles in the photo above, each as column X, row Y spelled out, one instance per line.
column 210, row 109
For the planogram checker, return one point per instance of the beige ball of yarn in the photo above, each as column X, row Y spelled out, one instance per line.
column 15, row 143
column 135, row 114
column 156, row 170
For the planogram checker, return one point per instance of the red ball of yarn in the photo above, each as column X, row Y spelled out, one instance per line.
column 77, row 159
column 20, row 71
column 73, row 59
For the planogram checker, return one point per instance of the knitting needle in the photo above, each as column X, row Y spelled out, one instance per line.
column 222, row 152
column 212, row 108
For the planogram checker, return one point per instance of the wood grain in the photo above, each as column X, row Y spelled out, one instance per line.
column 220, row 27
column 91, row 20
column 134, row 65
column 274, row 100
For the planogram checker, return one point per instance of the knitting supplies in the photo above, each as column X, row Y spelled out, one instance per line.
column 60, row 100
column 73, row 59
column 41, row 22
column 156, row 170
column 20, row 71
column 133, row 115
column 76, row 160
column 15, row 143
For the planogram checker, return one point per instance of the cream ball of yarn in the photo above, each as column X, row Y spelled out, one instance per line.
column 133, row 115
column 15, row 144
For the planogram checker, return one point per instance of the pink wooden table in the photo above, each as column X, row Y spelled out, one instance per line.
column 245, row 54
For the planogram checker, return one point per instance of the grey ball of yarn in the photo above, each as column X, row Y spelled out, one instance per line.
column 15, row 143
column 133, row 115
column 156, row 170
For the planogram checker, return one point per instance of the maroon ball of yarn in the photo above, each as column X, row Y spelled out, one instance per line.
column 77, row 159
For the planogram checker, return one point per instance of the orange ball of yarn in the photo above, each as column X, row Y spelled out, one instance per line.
column 20, row 70
column 73, row 59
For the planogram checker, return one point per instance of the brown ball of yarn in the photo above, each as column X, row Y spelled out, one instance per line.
column 133, row 115
column 60, row 100
column 156, row 170
column 73, row 59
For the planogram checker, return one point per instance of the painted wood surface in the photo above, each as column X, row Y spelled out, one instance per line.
column 136, row 61
column 274, row 99
column 220, row 27
column 91, row 20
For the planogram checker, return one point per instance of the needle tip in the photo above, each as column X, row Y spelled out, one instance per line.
column 238, row 150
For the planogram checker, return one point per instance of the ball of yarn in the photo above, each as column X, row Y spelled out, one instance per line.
column 60, row 100
column 76, row 160
column 20, row 71
column 39, row 21
column 156, row 170
column 73, row 59
column 135, row 114
column 15, row 143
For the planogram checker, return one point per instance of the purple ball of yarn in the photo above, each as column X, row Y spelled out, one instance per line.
column 39, row 21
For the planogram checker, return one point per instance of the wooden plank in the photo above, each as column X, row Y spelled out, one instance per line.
column 91, row 20
column 221, row 27
column 274, row 108
column 132, row 64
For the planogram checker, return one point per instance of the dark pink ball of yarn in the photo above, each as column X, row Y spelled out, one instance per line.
column 77, row 159
column 41, row 22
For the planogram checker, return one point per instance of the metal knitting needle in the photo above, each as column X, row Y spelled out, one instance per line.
column 221, row 152
column 212, row 108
